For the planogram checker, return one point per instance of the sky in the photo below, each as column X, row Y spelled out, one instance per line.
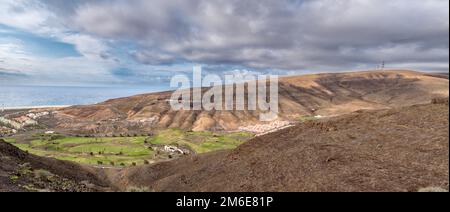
column 122, row 42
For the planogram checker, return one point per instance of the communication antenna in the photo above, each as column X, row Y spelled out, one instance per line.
column 383, row 65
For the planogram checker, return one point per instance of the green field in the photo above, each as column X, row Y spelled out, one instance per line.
column 201, row 142
column 126, row 151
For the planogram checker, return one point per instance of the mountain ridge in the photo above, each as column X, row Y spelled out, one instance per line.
column 403, row 149
column 308, row 95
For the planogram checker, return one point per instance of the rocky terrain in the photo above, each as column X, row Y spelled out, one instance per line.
column 20, row 120
column 24, row 172
column 364, row 131
column 308, row 95
column 319, row 95
column 404, row 149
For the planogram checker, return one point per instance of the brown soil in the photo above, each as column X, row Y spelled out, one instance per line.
column 310, row 95
column 23, row 172
column 384, row 141
column 402, row 149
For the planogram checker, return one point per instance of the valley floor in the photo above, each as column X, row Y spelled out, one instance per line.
column 404, row 149
column 364, row 131
column 123, row 151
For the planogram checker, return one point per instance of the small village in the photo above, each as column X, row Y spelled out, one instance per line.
column 261, row 129
column 12, row 123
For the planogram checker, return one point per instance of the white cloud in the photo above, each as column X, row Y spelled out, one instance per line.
column 35, row 18
column 87, row 45
column 284, row 35
column 277, row 34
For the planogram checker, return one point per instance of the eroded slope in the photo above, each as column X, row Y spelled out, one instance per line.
column 402, row 149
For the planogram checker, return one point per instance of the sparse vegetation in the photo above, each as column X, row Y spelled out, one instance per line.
column 200, row 142
column 303, row 119
column 432, row 189
column 439, row 101
column 48, row 137
column 93, row 151
column 42, row 174
column 17, row 176
column 14, row 178
column 138, row 189
column 126, row 151
column 360, row 151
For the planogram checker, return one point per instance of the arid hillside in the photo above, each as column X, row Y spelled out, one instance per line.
column 403, row 149
column 23, row 172
column 304, row 96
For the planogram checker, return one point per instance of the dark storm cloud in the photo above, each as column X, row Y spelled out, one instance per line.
column 267, row 34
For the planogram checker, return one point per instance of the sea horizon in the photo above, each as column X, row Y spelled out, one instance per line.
column 38, row 96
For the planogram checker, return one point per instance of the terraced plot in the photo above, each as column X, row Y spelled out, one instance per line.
column 126, row 151
column 201, row 142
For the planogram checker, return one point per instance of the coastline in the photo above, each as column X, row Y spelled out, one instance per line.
column 35, row 107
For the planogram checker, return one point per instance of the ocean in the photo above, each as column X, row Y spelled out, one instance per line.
column 35, row 96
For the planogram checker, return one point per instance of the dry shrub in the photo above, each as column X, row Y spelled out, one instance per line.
column 138, row 189
column 432, row 189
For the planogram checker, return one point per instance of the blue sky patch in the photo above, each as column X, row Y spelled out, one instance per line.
column 37, row 45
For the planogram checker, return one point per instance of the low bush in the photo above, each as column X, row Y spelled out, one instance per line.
column 138, row 189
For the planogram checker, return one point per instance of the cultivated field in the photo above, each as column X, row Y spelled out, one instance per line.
column 128, row 151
